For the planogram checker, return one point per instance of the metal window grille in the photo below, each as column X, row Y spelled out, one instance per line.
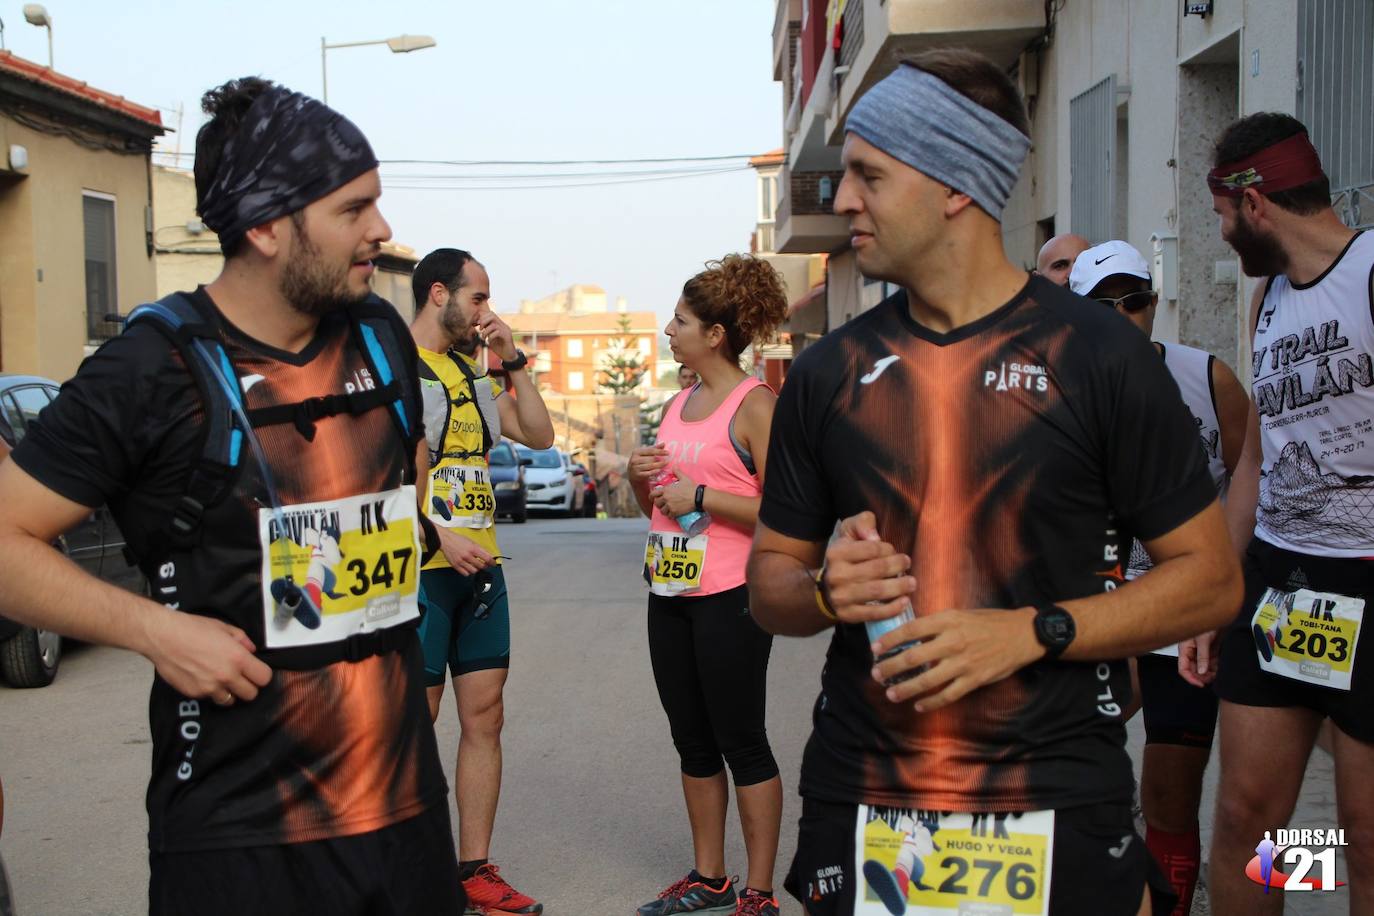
column 1092, row 161
column 98, row 219
column 1335, row 85
column 853, row 40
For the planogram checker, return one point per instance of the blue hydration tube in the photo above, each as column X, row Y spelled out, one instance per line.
column 231, row 389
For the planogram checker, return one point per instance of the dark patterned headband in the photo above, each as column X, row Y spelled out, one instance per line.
column 290, row 151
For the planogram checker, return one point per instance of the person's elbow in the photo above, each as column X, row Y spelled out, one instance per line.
column 761, row 601
column 1225, row 588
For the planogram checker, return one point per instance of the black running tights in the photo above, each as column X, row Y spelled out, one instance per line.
column 711, row 666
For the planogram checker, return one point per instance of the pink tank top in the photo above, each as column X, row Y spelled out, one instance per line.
column 703, row 451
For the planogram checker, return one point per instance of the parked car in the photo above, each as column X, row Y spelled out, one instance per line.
column 589, row 497
column 550, row 481
column 508, row 480
column 29, row 657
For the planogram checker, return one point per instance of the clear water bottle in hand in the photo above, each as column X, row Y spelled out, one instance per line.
column 693, row 522
column 876, row 629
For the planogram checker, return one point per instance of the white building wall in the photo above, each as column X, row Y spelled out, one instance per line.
column 1159, row 57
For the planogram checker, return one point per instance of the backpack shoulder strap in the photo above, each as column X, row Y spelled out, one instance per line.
column 374, row 329
column 488, row 440
column 195, row 333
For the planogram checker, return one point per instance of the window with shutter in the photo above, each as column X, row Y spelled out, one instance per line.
column 1092, row 162
column 1335, row 83
column 98, row 220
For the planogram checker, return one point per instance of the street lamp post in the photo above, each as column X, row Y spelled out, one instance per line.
column 35, row 14
column 401, row 44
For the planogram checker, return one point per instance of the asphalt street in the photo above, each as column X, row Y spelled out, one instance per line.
column 591, row 819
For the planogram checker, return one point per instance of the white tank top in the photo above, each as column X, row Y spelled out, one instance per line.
column 1192, row 371
column 1314, row 390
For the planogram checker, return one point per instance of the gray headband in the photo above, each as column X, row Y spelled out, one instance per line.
column 917, row 118
column 290, row 151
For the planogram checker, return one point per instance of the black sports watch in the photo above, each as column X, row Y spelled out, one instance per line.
column 515, row 365
column 1054, row 628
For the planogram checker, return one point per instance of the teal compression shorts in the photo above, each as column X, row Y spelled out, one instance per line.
column 461, row 629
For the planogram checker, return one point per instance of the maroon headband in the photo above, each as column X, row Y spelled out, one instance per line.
column 1287, row 164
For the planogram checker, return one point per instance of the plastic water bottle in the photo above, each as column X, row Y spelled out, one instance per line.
column 693, row 523
column 876, row 629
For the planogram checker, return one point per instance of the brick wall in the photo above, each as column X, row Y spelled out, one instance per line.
column 803, row 193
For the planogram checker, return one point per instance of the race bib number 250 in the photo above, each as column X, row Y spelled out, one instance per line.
column 929, row 863
column 337, row 568
column 673, row 563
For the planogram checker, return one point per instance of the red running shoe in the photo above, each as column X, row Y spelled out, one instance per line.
column 752, row 903
column 488, row 892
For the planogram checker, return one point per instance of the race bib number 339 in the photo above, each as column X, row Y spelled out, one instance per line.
column 928, row 863
column 333, row 569
column 461, row 496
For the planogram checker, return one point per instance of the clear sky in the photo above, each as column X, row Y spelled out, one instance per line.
column 509, row 80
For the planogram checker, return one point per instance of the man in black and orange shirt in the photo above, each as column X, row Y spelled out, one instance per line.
column 988, row 443
column 294, row 766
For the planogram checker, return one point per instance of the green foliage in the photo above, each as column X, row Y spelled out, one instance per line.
column 622, row 367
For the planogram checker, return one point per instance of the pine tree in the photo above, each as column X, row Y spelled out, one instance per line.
column 622, row 367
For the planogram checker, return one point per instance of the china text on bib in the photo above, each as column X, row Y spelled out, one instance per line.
column 673, row 562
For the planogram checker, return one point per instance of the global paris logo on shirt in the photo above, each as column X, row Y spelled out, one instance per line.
column 1294, row 848
column 1017, row 377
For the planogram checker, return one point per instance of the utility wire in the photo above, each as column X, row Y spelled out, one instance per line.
column 563, row 161
column 607, row 173
column 467, row 162
column 398, row 183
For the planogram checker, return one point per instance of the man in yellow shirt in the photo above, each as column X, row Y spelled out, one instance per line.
column 466, row 626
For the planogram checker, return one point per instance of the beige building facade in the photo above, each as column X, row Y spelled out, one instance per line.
column 75, row 210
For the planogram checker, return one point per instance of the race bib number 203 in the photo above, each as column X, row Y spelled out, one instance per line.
column 1308, row 636
column 929, row 863
column 337, row 568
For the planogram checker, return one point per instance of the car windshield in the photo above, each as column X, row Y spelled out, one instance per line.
column 547, row 458
column 502, row 457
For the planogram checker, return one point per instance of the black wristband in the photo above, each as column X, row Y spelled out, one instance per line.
column 701, row 497
column 430, row 536
column 515, row 365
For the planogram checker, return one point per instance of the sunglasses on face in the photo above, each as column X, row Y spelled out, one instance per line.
column 1131, row 302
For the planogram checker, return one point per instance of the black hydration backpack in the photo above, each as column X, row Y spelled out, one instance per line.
column 195, row 332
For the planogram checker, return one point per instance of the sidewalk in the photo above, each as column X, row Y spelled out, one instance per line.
column 1316, row 808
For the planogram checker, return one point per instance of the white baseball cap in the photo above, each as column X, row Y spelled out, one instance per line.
column 1106, row 260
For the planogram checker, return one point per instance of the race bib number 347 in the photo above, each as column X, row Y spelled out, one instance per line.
column 337, row 568
column 927, row 863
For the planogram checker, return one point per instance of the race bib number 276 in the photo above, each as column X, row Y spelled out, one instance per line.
column 929, row 863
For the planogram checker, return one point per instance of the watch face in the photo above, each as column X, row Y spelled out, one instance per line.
column 1056, row 628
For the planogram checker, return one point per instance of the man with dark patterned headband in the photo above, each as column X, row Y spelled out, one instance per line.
column 988, row 442
column 1299, row 650
column 294, row 766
